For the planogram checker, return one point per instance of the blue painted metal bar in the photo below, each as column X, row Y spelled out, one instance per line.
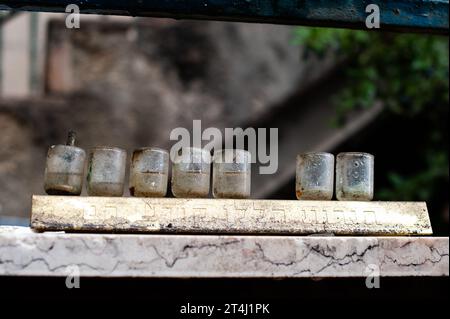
column 14, row 221
column 396, row 15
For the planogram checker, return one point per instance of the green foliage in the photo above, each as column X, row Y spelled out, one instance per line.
column 418, row 186
column 410, row 74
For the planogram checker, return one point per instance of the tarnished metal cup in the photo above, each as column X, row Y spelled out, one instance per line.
column 354, row 176
column 106, row 171
column 314, row 176
column 64, row 168
column 232, row 174
column 191, row 173
column 149, row 172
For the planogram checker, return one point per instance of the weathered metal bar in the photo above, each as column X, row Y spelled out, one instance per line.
column 396, row 15
column 176, row 215
column 25, row 253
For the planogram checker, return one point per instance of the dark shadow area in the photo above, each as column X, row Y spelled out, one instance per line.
column 284, row 296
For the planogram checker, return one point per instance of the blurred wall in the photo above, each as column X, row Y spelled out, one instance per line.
column 128, row 82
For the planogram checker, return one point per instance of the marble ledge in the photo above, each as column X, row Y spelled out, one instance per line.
column 24, row 252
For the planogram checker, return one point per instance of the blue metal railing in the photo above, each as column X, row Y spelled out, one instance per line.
column 14, row 221
column 395, row 15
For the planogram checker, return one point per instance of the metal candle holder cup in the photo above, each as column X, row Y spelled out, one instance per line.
column 191, row 173
column 106, row 172
column 149, row 172
column 232, row 174
column 64, row 168
column 354, row 176
column 314, row 176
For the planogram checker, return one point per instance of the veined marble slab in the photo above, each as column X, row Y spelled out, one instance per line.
column 26, row 253
column 214, row 216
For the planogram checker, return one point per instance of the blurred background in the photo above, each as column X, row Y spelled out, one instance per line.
column 128, row 82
